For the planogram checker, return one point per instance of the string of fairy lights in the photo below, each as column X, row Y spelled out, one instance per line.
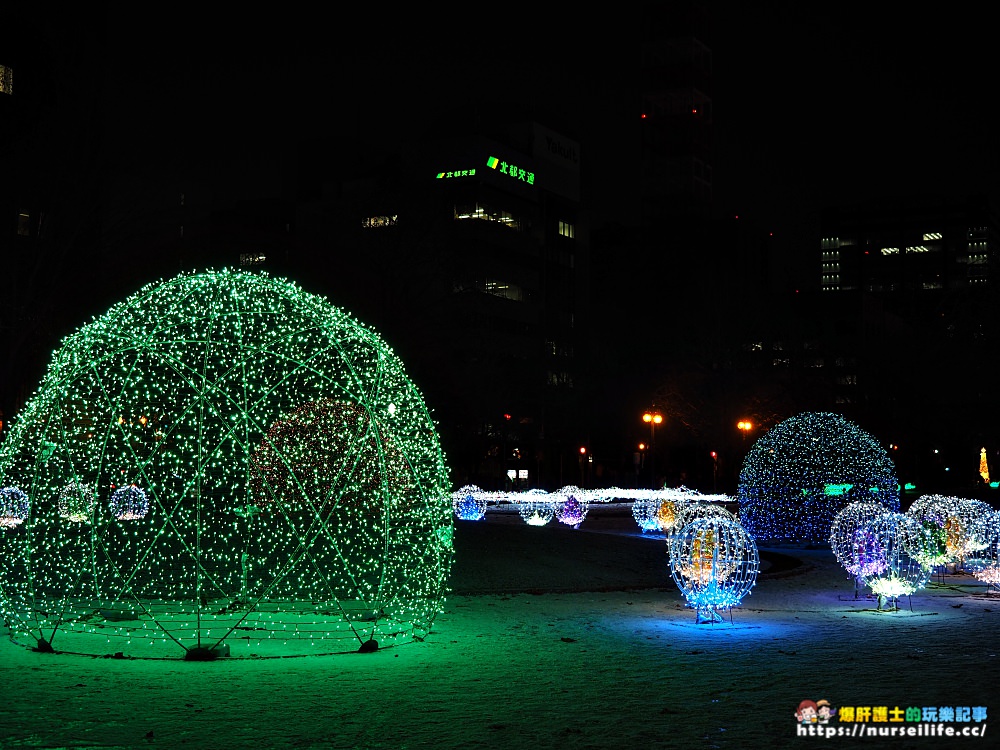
column 223, row 459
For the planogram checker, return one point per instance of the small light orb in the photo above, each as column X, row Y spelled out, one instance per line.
column 129, row 503
column 645, row 511
column 571, row 506
column 845, row 540
column 894, row 571
column 13, row 507
column 76, row 502
column 536, row 507
column 714, row 562
column 469, row 503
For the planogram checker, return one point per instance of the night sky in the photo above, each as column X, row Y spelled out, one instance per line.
column 811, row 106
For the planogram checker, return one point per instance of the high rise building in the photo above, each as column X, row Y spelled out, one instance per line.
column 470, row 254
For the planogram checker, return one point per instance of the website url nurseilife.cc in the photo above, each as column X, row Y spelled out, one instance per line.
column 866, row 730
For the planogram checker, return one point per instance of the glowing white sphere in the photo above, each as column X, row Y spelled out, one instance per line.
column 536, row 507
column 14, row 507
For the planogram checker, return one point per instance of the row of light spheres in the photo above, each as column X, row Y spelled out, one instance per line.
column 713, row 560
column 223, row 459
column 894, row 554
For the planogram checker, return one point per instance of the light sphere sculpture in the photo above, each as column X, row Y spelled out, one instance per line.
column 570, row 506
column 846, row 534
column 801, row 473
column 224, row 463
column 891, row 570
column 468, row 503
column 536, row 507
column 714, row 562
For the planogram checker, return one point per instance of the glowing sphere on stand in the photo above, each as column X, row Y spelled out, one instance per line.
column 805, row 470
column 645, row 511
column 955, row 526
column 846, row 538
column 536, row 507
column 468, row 503
column 885, row 539
column 714, row 562
column 287, row 491
column 571, row 506
column 14, row 507
column 984, row 564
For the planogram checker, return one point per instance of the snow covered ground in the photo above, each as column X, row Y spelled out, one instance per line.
column 553, row 637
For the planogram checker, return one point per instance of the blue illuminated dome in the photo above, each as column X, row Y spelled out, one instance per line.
column 802, row 473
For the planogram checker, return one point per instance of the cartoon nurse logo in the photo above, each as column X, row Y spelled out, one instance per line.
column 807, row 712
column 815, row 712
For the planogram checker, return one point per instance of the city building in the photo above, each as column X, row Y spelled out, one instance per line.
column 469, row 253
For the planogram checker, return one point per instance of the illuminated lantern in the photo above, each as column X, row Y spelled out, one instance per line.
column 571, row 506
column 469, row 504
column 13, row 507
column 800, row 474
column 293, row 498
column 129, row 503
column 536, row 507
column 714, row 562
column 847, row 542
column 894, row 572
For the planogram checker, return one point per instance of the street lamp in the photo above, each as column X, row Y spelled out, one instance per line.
column 652, row 418
column 744, row 426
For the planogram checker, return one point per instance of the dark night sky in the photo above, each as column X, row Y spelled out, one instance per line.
column 811, row 106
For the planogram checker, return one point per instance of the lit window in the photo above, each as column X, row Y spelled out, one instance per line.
column 24, row 224
column 567, row 230
column 890, row 251
column 252, row 259
column 6, row 80
column 932, row 236
column 373, row 222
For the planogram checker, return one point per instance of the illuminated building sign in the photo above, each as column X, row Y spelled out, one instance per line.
column 457, row 173
column 493, row 162
column 510, row 170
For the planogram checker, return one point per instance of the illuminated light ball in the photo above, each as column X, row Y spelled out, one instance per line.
column 14, row 507
column 801, row 473
column 944, row 523
column 984, row 558
column 899, row 573
column 129, row 503
column 76, row 502
column 977, row 519
column 536, row 507
column 845, row 541
column 296, row 495
column 645, row 511
column 469, row 503
column 571, row 506
column 714, row 562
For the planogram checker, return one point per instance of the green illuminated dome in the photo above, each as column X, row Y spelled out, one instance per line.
column 223, row 460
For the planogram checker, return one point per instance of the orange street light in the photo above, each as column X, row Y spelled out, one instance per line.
column 652, row 418
column 744, row 426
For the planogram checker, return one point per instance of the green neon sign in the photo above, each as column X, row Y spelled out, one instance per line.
column 511, row 170
column 456, row 173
